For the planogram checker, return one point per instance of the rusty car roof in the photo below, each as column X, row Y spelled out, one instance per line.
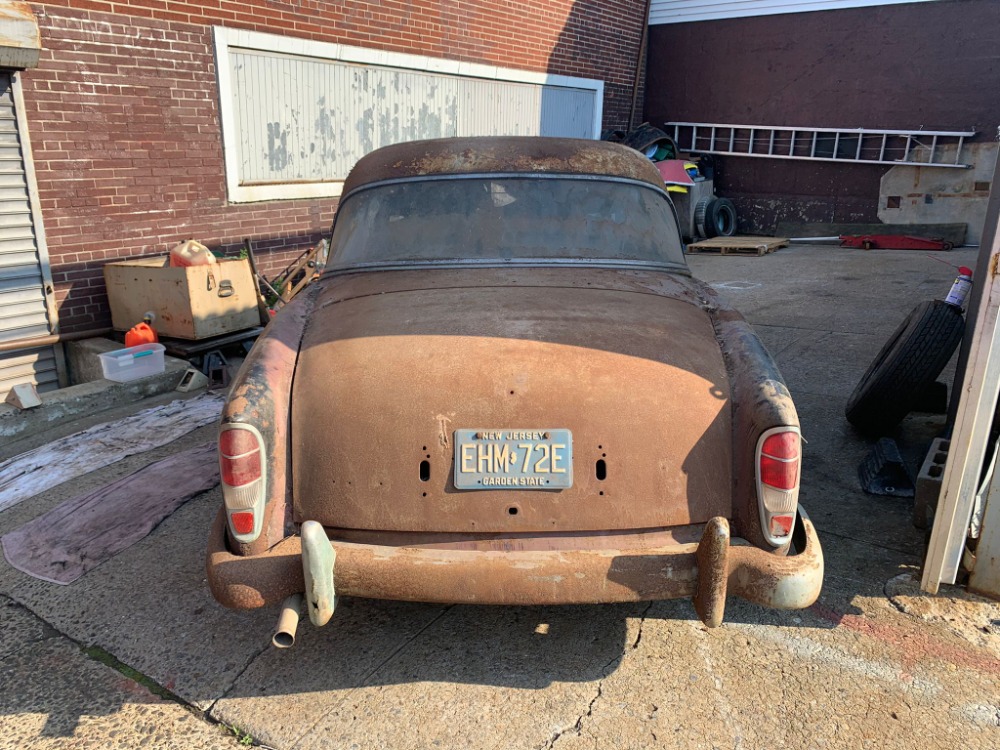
column 502, row 154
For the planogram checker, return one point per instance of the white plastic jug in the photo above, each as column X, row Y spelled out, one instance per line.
column 190, row 253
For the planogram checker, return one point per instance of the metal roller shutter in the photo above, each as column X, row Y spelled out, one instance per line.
column 23, row 310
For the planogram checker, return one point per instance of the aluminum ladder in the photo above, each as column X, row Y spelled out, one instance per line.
column 921, row 148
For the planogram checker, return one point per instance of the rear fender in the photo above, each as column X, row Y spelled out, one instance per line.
column 260, row 395
column 760, row 401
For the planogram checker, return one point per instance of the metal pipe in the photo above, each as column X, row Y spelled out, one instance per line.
column 288, row 622
column 55, row 338
column 638, row 68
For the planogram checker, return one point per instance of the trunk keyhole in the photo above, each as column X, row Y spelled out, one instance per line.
column 425, row 471
column 601, row 470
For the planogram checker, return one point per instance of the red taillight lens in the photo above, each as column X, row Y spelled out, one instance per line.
column 237, row 472
column 779, row 456
column 779, row 461
column 243, row 465
column 236, row 442
column 239, row 457
column 781, row 474
column 783, row 445
column 242, row 522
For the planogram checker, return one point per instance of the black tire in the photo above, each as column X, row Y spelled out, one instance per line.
column 720, row 218
column 908, row 364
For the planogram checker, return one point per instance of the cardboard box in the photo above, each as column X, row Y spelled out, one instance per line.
column 194, row 302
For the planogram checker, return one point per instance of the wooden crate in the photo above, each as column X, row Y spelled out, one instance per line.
column 738, row 245
column 194, row 302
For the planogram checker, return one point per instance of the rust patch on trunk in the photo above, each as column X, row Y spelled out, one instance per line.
column 630, row 365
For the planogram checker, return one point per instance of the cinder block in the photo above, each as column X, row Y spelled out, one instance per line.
column 929, row 482
column 82, row 361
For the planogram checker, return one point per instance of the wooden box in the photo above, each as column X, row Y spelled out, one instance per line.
column 194, row 302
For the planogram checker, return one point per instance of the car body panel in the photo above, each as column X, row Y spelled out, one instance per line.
column 399, row 372
column 260, row 396
column 500, row 155
column 372, row 369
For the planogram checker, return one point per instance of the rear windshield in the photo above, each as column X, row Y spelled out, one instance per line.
column 505, row 219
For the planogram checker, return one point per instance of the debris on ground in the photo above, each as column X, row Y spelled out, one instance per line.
column 974, row 618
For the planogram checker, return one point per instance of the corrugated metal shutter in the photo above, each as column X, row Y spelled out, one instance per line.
column 302, row 119
column 23, row 310
column 685, row 11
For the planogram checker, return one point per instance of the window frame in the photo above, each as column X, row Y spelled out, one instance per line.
column 226, row 39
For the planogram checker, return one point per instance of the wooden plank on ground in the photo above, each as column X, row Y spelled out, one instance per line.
column 738, row 245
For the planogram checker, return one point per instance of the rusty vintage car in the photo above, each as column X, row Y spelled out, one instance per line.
column 507, row 388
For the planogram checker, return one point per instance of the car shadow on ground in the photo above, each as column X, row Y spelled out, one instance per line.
column 378, row 643
column 381, row 644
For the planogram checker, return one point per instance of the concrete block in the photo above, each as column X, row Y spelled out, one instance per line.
column 88, row 398
column 23, row 396
column 929, row 482
column 83, row 361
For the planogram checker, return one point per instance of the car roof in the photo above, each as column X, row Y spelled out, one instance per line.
column 500, row 155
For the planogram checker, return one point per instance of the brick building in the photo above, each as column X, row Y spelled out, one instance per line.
column 902, row 65
column 154, row 121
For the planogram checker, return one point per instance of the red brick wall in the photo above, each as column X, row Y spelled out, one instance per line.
column 124, row 122
column 886, row 66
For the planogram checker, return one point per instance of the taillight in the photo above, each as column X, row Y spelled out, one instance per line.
column 779, row 457
column 242, row 465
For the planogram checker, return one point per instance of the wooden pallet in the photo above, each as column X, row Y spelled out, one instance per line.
column 738, row 245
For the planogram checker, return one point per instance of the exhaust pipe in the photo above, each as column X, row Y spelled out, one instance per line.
column 288, row 622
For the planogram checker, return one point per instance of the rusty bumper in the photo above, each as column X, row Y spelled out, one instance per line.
column 707, row 571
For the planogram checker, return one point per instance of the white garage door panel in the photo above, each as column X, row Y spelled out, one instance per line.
column 302, row 119
column 37, row 366
column 298, row 114
column 23, row 310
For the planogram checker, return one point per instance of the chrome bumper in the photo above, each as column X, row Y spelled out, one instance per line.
column 707, row 571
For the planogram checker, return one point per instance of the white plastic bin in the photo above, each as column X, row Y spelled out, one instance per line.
column 132, row 362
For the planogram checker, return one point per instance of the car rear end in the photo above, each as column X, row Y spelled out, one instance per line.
column 477, row 417
column 644, row 482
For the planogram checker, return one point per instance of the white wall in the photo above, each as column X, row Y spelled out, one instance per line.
column 685, row 11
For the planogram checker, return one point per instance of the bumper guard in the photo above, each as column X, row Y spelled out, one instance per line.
column 707, row 571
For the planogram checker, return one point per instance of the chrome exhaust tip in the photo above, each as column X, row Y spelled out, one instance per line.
column 288, row 622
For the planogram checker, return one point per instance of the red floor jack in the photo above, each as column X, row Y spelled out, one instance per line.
column 893, row 242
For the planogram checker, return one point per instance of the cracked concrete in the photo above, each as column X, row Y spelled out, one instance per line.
column 578, row 724
column 872, row 664
column 54, row 695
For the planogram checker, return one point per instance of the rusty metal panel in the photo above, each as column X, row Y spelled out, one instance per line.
column 518, row 570
column 503, row 155
column 23, row 310
column 529, row 350
column 20, row 40
column 302, row 119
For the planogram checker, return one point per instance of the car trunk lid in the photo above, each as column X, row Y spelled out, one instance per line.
column 385, row 379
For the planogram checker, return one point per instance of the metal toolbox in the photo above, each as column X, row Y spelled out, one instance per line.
column 192, row 302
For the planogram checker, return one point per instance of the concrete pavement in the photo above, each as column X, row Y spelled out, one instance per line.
column 873, row 664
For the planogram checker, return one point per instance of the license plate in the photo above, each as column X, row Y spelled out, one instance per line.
column 513, row 459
